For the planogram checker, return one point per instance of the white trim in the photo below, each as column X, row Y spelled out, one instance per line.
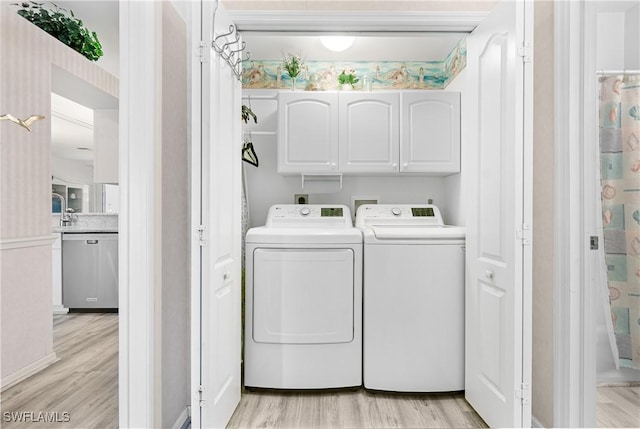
column 182, row 420
column 195, row 114
column 23, row 242
column 356, row 21
column 535, row 423
column 27, row 371
column 138, row 134
column 591, row 215
column 573, row 338
column 59, row 309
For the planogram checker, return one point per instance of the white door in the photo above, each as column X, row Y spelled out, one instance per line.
column 216, row 329
column 369, row 132
column 498, row 285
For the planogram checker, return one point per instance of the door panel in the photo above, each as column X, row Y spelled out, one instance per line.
column 430, row 132
column 369, row 132
column 497, row 372
column 308, row 132
column 318, row 310
column 218, row 366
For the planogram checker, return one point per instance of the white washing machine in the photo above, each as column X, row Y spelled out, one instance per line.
column 303, row 299
column 413, row 299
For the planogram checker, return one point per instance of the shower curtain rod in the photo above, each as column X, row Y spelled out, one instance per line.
column 618, row 72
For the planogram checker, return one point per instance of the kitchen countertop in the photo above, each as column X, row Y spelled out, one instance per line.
column 77, row 229
column 86, row 223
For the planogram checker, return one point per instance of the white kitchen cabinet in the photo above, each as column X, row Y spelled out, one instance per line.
column 56, row 275
column 369, row 132
column 307, row 132
column 430, row 132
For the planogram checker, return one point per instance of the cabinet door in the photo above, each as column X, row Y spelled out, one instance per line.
column 369, row 132
column 307, row 132
column 430, row 132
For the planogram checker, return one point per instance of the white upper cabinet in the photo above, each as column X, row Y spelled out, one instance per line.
column 363, row 132
column 307, row 132
column 430, row 132
column 369, row 127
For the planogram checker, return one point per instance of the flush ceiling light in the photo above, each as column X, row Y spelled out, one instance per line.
column 337, row 43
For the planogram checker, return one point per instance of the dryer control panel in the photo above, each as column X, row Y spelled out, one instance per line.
column 309, row 215
column 398, row 214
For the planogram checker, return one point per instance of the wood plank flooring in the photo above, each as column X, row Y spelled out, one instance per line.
column 618, row 407
column 353, row 409
column 83, row 383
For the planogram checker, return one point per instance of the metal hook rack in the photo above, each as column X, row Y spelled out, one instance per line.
column 228, row 46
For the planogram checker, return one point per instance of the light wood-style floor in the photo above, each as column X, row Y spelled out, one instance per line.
column 353, row 409
column 83, row 383
column 618, row 407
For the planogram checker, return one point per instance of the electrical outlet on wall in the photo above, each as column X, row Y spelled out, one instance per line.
column 301, row 198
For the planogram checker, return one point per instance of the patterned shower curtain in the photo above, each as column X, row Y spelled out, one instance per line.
column 620, row 180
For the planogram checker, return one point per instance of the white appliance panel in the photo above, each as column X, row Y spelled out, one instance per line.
column 414, row 317
column 303, row 296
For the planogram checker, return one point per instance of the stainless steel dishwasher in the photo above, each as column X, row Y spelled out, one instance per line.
column 90, row 270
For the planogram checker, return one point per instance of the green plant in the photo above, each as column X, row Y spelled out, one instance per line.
column 292, row 63
column 66, row 28
column 348, row 77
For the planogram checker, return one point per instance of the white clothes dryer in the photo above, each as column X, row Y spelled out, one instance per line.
column 413, row 299
column 303, row 299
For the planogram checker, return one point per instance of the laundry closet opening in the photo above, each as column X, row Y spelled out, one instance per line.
column 381, row 63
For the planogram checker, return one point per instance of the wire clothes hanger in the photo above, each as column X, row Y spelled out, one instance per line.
column 249, row 153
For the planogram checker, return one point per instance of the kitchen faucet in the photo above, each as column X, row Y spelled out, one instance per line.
column 64, row 216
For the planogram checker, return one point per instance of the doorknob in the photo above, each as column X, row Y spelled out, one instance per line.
column 488, row 274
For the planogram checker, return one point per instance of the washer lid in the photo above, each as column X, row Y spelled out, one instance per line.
column 304, row 236
column 415, row 232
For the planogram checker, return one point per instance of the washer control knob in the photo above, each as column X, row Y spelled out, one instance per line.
column 305, row 211
column 396, row 211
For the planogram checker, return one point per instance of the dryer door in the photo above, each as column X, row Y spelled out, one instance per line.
column 303, row 296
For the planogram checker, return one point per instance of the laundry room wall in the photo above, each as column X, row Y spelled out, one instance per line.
column 266, row 187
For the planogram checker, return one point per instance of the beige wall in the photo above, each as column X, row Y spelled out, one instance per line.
column 175, row 306
column 543, row 129
column 26, row 58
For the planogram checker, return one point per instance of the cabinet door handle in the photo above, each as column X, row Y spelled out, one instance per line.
column 92, row 241
column 394, row 165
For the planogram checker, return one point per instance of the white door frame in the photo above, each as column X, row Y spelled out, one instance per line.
column 139, row 214
column 574, row 367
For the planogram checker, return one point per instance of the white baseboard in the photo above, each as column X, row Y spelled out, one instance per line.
column 182, row 420
column 60, row 309
column 535, row 423
column 27, row 371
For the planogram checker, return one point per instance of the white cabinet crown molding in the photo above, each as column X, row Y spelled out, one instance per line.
column 373, row 21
